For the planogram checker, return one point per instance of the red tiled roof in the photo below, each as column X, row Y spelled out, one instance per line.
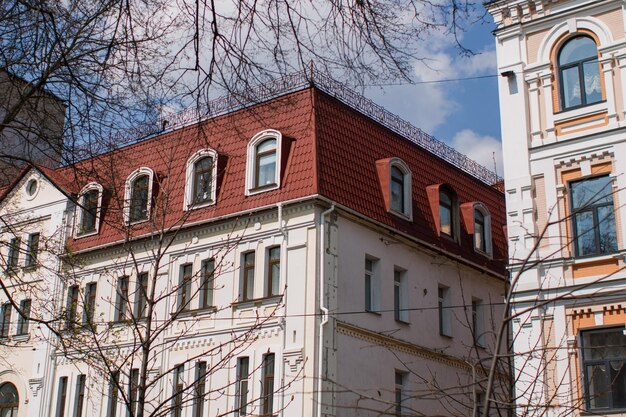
column 332, row 151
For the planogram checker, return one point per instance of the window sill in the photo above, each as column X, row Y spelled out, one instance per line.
column 376, row 313
column 447, row 336
column 579, row 111
column 195, row 312
column 22, row 337
column 257, row 302
column 85, row 234
column 401, row 215
column 261, row 189
column 603, row 411
column 197, row 206
column 579, row 260
column 483, row 253
column 403, row 322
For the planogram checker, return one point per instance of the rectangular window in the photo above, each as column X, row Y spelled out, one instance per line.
column 478, row 322
column 371, row 285
column 400, row 307
column 178, row 390
column 133, row 388
column 23, row 317
column 399, row 393
column 114, row 383
column 445, row 315
column 593, row 216
column 90, row 303
column 32, row 250
column 71, row 306
column 6, row 320
column 206, row 283
column 79, row 399
column 247, row 277
column 267, row 401
column 199, row 389
column 14, row 254
column 184, row 287
column 243, row 365
column 273, row 271
column 141, row 295
column 61, row 397
column 121, row 300
column 604, row 353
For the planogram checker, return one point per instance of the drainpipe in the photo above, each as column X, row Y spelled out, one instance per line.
column 324, row 310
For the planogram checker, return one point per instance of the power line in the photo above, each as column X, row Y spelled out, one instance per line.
column 447, row 80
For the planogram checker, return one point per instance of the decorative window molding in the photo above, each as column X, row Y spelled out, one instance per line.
column 261, row 155
column 129, row 218
column 87, row 217
column 196, row 194
column 477, row 222
column 578, row 72
column 396, row 185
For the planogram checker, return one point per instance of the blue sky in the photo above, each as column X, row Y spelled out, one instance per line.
column 465, row 114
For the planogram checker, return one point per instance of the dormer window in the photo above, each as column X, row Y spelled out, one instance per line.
column 88, row 210
column 395, row 181
column 138, row 195
column 448, row 213
column 579, row 73
column 201, row 179
column 263, row 170
column 482, row 229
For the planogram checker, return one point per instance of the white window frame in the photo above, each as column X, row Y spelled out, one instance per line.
column 128, row 191
column 444, row 310
column 407, row 210
column 488, row 237
column 189, row 179
column 402, row 284
column 374, row 290
column 80, row 210
column 251, row 161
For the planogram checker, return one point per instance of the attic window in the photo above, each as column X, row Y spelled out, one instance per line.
column 200, row 186
column 395, row 181
column 138, row 195
column 263, row 165
column 448, row 213
column 31, row 187
column 88, row 209
column 482, row 229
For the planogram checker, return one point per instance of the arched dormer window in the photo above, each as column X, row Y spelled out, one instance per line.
column 88, row 210
column 200, row 185
column 579, row 73
column 263, row 165
column 482, row 229
column 448, row 213
column 400, row 198
column 138, row 195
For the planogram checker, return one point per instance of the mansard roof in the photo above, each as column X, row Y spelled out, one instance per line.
column 330, row 150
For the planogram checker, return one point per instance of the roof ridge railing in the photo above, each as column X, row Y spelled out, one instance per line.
column 295, row 82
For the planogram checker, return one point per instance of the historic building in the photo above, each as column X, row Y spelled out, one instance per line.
column 307, row 254
column 562, row 95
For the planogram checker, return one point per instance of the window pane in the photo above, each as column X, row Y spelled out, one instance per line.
column 591, row 191
column 445, row 218
column 267, row 169
column 606, row 229
column 591, row 77
column 203, row 171
column 571, row 87
column 577, row 49
column 585, row 236
column 266, row 146
column 598, row 386
column 139, row 199
column 89, row 211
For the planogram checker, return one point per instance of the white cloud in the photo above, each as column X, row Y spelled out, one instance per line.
column 482, row 149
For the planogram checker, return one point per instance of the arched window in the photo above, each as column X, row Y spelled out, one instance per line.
column 201, row 179
column 579, row 73
column 265, row 163
column 138, row 195
column 263, row 167
column 399, row 188
column 9, row 400
column 482, row 229
column 88, row 210
column 448, row 213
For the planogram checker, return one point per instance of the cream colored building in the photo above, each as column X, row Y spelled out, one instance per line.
column 562, row 99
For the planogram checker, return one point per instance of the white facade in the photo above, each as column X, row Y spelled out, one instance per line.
column 563, row 134
column 365, row 317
